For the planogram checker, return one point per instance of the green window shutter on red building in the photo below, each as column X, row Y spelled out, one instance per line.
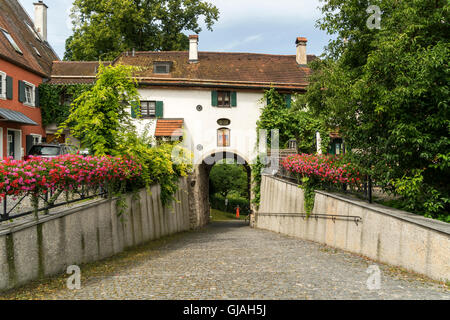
column 9, row 88
column 21, row 91
column 36, row 97
column 159, row 109
column 233, row 98
column 214, row 98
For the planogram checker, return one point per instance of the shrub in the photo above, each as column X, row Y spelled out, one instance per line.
column 218, row 202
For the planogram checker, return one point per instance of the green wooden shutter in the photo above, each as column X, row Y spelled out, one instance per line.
column 159, row 109
column 288, row 100
column 233, row 98
column 21, row 91
column 9, row 88
column 134, row 109
column 214, row 98
column 36, row 97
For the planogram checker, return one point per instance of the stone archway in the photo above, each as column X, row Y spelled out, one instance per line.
column 199, row 185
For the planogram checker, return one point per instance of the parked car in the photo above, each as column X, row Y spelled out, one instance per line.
column 50, row 150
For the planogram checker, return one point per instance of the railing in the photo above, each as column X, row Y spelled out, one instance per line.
column 365, row 191
column 50, row 200
column 316, row 216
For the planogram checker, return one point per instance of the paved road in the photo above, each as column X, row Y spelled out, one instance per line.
column 228, row 260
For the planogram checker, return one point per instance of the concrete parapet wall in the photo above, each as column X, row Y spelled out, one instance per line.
column 387, row 235
column 31, row 249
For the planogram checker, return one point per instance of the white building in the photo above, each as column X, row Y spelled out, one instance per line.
column 212, row 99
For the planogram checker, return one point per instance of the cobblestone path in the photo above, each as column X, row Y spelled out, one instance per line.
column 229, row 260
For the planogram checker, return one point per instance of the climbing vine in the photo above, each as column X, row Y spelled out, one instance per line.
column 257, row 167
column 55, row 109
column 294, row 121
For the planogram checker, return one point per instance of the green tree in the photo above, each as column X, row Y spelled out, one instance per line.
column 99, row 116
column 387, row 91
column 103, row 29
column 297, row 122
column 227, row 177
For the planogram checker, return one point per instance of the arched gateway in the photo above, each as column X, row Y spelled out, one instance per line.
column 199, row 184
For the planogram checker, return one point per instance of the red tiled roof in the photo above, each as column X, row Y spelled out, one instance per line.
column 75, row 72
column 239, row 69
column 244, row 70
column 14, row 20
column 169, row 127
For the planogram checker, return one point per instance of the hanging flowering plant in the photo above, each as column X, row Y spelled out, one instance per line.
column 64, row 173
column 322, row 168
column 320, row 171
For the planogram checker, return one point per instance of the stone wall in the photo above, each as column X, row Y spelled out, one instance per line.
column 31, row 249
column 387, row 235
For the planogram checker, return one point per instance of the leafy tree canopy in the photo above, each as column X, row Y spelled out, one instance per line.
column 99, row 117
column 227, row 177
column 103, row 29
column 297, row 122
column 387, row 90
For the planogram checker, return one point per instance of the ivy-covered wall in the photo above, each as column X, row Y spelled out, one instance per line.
column 55, row 101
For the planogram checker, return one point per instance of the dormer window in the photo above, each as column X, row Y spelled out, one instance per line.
column 162, row 67
column 11, row 41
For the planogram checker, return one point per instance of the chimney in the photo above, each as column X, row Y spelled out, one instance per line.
column 301, row 51
column 193, row 48
column 40, row 19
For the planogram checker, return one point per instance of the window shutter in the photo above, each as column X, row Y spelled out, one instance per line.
column 21, row 91
column 214, row 98
column 159, row 109
column 233, row 98
column 29, row 143
column 36, row 97
column 134, row 109
column 288, row 100
column 9, row 88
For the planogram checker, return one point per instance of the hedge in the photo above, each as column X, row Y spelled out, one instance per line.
column 218, row 202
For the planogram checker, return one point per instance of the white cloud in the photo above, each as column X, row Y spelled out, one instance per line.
column 232, row 11
column 243, row 42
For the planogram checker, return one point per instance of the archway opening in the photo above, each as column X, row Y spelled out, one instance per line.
column 229, row 185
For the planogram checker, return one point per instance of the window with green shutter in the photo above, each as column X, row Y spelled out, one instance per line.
column 21, row 91
column 36, row 97
column 134, row 109
column 233, row 98
column 9, row 87
column 288, row 99
column 214, row 98
column 159, row 109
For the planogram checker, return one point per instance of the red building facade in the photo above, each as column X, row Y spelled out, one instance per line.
column 26, row 60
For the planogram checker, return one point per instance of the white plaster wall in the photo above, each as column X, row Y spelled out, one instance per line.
column 387, row 235
column 201, row 126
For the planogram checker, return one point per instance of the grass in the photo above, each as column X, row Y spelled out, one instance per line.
column 218, row 215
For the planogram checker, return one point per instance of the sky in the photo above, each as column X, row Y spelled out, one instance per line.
column 258, row 26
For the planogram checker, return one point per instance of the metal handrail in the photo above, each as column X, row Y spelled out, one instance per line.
column 316, row 216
